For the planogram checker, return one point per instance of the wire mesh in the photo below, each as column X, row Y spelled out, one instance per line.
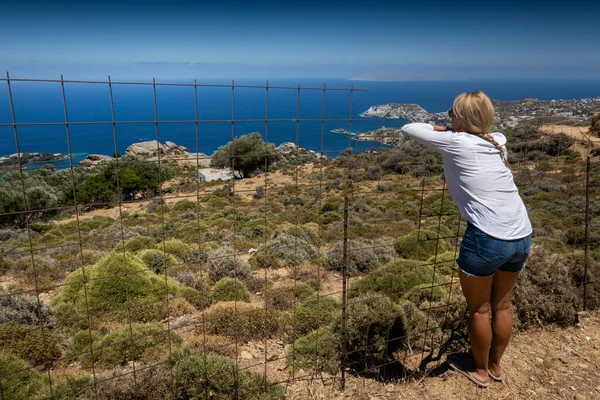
column 311, row 269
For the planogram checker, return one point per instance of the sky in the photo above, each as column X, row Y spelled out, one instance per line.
column 373, row 39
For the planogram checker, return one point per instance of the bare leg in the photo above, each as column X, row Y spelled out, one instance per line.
column 504, row 282
column 477, row 291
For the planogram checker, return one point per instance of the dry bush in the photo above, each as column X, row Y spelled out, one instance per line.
column 284, row 297
column 546, row 292
column 291, row 249
column 206, row 376
column 23, row 309
column 224, row 264
column 360, row 257
column 240, row 321
column 151, row 383
column 217, row 344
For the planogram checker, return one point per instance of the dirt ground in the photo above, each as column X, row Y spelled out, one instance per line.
column 579, row 133
column 544, row 364
column 244, row 188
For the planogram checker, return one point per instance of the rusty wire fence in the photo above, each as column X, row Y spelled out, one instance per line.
column 132, row 293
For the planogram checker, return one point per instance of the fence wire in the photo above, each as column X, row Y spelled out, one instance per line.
column 321, row 268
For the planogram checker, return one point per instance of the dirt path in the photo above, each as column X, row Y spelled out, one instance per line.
column 579, row 133
column 244, row 187
column 549, row 364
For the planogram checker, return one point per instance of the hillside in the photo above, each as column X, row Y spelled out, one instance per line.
column 159, row 272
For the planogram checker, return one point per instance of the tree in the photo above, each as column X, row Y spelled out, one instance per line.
column 11, row 205
column 246, row 154
column 595, row 126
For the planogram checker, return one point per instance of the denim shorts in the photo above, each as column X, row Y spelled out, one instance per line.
column 482, row 255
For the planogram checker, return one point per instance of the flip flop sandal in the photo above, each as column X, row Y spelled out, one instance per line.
column 494, row 377
column 458, row 368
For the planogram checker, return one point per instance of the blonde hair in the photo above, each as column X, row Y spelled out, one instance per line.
column 473, row 112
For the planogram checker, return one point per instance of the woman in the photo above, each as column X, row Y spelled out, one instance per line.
column 498, row 236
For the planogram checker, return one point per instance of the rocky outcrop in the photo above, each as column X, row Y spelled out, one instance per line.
column 389, row 136
column 94, row 159
column 410, row 112
column 289, row 151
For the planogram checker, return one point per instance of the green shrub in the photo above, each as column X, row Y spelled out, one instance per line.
column 185, row 205
column 224, row 264
column 138, row 243
column 318, row 350
column 375, row 330
column 32, row 343
column 444, row 263
column 199, row 298
column 229, row 289
column 80, row 349
column 394, row 280
column 360, row 257
column 211, row 377
column 330, row 217
column 246, row 154
column 258, row 228
column 175, row 247
column 265, row 259
column 53, row 236
column 240, row 321
column 553, row 245
column 5, row 264
column 284, row 297
column 123, row 345
column 18, row 381
column 23, row 309
column 417, row 325
column 303, row 232
column 426, row 291
column 415, row 247
column 331, row 205
column 315, row 313
column 156, row 260
column 113, row 282
column 71, row 388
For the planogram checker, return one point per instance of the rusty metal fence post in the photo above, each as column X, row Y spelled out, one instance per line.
column 587, row 231
column 344, row 297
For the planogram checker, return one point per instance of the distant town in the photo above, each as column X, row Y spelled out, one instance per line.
column 508, row 113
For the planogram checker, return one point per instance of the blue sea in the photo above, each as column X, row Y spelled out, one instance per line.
column 42, row 102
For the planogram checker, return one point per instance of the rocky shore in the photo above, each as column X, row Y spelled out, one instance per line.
column 13, row 159
column 151, row 150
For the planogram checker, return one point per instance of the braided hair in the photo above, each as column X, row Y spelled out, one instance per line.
column 487, row 137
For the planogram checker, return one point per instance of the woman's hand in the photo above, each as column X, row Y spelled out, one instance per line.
column 440, row 128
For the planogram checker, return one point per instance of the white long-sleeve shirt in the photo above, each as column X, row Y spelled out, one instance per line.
column 478, row 180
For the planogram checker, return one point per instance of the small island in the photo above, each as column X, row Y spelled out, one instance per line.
column 344, row 132
column 26, row 158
